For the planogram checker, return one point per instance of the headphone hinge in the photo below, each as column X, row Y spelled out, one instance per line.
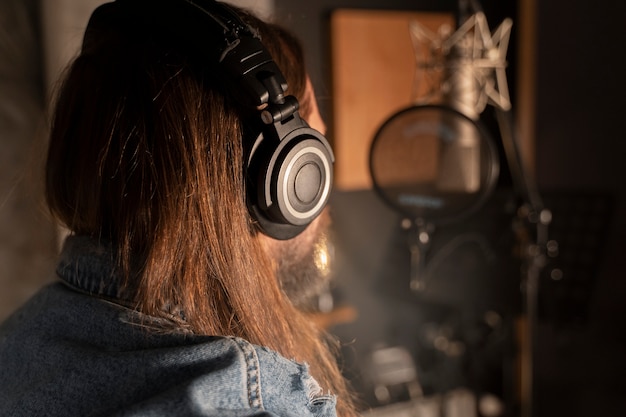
column 278, row 113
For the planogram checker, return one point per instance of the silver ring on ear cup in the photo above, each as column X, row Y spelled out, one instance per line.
column 306, row 179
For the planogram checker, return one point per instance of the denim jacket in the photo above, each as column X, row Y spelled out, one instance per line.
column 73, row 350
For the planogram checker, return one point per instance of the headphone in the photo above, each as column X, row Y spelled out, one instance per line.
column 289, row 166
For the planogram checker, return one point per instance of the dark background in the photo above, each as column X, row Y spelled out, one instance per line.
column 580, row 339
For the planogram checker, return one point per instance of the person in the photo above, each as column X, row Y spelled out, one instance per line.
column 175, row 294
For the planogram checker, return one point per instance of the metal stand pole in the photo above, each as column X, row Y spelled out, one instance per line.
column 532, row 212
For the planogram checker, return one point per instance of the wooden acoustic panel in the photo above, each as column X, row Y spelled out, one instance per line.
column 373, row 68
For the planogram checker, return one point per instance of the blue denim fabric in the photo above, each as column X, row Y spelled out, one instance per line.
column 69, row 353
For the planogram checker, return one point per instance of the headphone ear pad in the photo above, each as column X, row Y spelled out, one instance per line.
column 292, row 181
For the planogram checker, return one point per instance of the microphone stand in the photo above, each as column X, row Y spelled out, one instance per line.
column 533, row 253
column 419, row 241
column 531, row 212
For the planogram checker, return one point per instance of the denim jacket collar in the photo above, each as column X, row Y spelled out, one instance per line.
column 88, row 265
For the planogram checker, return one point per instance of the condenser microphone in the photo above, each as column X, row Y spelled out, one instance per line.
column 459, row 160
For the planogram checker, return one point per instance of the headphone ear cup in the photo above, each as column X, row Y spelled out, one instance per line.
column 300, row 181
column 293, row 179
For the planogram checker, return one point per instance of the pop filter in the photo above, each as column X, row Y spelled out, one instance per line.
column 433, row 164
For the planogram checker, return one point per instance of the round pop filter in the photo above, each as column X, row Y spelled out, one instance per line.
column 433, row 163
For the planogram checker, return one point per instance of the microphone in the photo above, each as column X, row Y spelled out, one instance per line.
column 473, row 63
column 459, row 159
column 462, row 90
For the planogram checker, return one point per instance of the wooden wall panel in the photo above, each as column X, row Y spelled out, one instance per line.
column 374, row 65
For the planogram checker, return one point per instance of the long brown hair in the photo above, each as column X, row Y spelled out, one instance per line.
column 146, row 152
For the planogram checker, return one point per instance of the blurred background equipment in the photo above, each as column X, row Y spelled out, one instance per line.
column 435, row 164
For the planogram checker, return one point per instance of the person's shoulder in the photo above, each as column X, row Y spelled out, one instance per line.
column 286, row 385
